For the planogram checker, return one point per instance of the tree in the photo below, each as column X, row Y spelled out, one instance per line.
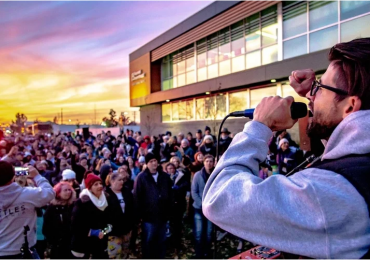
column 149, row 124
column 78, row 123
column 124, row 120
column 55, row 120
column 110, row 121
column 215, row 109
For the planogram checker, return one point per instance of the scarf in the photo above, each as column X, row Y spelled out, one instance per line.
column 101, row 203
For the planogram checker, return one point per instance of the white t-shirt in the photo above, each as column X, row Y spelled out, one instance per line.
column 121, row 201
column 155, row 176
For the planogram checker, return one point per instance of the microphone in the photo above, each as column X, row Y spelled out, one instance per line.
column 297, row 110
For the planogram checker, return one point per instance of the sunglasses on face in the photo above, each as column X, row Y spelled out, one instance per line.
column 316, row 85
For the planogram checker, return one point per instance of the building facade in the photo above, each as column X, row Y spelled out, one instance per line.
column 230, row 55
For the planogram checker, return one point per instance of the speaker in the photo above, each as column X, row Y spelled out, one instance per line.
column 85, row 132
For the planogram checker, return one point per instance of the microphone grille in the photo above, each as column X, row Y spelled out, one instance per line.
column 298, row 110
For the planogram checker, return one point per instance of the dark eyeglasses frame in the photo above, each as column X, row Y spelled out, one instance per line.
column 317, row 84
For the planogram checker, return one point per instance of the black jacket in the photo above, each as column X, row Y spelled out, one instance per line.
column 57, row 225
column 78, row 169
column 208, row 149
column 224, row 144
column 182, row 182
column 122, row 222
column 153, row 201
column 86, row 216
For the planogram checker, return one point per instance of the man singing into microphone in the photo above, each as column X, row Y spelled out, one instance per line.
column 322, row 211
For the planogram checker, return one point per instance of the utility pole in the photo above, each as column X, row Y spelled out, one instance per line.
column 61, row 116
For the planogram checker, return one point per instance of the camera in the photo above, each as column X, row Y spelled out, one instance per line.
column 21, row 171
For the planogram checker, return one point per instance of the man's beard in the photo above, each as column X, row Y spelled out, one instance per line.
column 319, row 127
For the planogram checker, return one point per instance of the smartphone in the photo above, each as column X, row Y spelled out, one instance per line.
column 21, row 171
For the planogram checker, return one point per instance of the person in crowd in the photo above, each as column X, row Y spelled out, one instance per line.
column 70, row 177
column 105, row 170
column 122, row 196
column 91, row 218
column 202, row 226
column 154, row 201
column 208, row 146
column 10, row 157
column 187, row 150
column 18, row 206
column 335, row 209
column 197, row 165
column 80, row 168
column 285, row 157
column 120, row 160
column 155, row 147
column 134, row 169
column 198, row 139
column 225, row 141
column 181, row 184
column 191, row 140
column 146, row 142
column 57, row 221
column 207, row 131
column 180, row 137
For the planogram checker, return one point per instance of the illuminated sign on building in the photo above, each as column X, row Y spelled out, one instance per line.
column 137, row 75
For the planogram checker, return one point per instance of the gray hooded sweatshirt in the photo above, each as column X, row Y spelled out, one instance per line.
column 315, row 213
column 17, row 209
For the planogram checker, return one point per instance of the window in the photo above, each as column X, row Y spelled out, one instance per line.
column 269, row 54
column 199, row 109
column 349, row 9
column 190, row 66
column 294, row 18
column 213, row 71
column 252, row 33
column 269, row 26
column 166, row 112
column 189, row 109
column 202, row 74
column 323, row 39
column 258, row 94
column 175, row 111
column 295, row 47
column 289, row 91
column 253, row 59
column 202, row 53
column 238, row 101
column 210, row 108
column 225, row 67
column 355, row 29
column 181, row 80
column 212, row 49
column 237, row 41
column 224, row 44
column 237, row 64
column 322, row 13
column 182, row 110
column 190, row 77
column 220, row 106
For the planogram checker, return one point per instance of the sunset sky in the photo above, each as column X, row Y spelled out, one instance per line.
column 74, row 55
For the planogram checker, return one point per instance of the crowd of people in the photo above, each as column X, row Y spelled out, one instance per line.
column 90, row 197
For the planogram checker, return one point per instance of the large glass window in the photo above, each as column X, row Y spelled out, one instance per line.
column 202, row 59
column 190, row 77
column 189, row 109
column 225, row 67
column 323, row 39
column 252, row 33
column 269, row 54
column 253, row 59
column 258, row 94
column 294, row 18
column 322, row 13
column 224, row 46
column 166, row 112
column 210, row 108
column 269, row 26
column 181, row 80
column 238, row 101
column 175, row 111
column 190, row 66
column 355, row 29
column 199, row 109
column 238, row 64
column 213, row 71
column 202, row 74
column 349, row 9
column 221, row 106
column 237, row 41
column 289, row 91
column 295, row 47
column 182, row 110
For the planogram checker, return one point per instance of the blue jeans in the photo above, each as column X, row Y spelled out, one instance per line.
column 203, row 234
column 154, row 240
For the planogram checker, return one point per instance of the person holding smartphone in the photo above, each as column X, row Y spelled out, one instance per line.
column 17, row 209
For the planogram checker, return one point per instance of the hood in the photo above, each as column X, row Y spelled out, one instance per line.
column 9, row 194
column 350, row 136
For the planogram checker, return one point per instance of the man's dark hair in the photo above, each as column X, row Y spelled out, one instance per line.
column 352, row 59
column 6, row 172
column 208, row 156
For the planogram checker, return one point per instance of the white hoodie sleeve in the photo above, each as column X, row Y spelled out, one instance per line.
column 42, row 194
column 314, row 213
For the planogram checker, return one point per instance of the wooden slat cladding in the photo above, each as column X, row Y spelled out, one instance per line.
column 215, row 24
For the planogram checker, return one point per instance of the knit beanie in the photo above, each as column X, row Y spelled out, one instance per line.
column 68, row 174
column 149, row 157
column 284, row 140
column 91, row 179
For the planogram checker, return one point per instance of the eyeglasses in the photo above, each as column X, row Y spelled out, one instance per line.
column 317, row 84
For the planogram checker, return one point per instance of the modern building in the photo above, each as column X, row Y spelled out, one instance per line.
column 230, row 55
